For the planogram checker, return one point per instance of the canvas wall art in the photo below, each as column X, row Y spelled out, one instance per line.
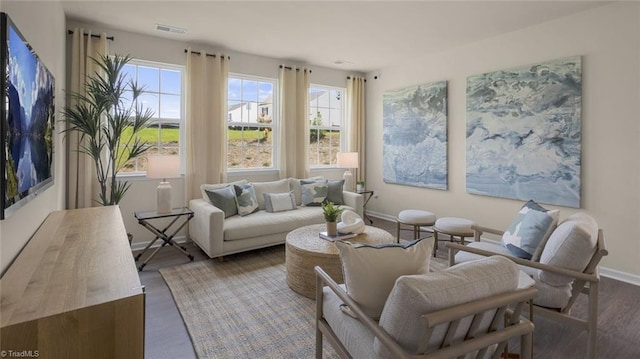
column 524, row 133
column 415, row 136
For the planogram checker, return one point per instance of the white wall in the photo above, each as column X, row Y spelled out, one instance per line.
column 142, row 194
column 43, row 25
column 608, row 39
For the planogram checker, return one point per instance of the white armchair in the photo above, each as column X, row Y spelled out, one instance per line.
column 566, row 268
column 472, row 309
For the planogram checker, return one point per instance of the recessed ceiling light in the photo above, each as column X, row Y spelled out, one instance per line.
column 342, row 62
column 171, row 29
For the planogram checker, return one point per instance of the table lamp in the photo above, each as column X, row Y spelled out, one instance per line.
column 163, row 167
column 348, row 160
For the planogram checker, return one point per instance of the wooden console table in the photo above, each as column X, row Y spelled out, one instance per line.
column 74, row 290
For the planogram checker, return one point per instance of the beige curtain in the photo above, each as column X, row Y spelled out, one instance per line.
column 356, row 122
column 206, row 124
column 82, row 184
column 293, row 129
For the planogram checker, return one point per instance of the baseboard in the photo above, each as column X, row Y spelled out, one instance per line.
column 604, row 271
column 138, row 246
column 621, row 276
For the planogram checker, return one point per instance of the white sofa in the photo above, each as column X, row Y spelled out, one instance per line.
column 218, row 236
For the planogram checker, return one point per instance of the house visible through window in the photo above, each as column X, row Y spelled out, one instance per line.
column 326, row 124
column 251, row 123
column 162, row 93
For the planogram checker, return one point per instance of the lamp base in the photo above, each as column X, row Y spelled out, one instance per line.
column 164, row 197
column 348, row 181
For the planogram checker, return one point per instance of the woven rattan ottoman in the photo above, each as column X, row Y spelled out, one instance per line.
column 305, row 250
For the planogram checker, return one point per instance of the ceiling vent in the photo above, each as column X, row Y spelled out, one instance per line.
column 171, row 29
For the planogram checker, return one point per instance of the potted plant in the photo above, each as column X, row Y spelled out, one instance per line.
column 360, row 186
column 331, row 213
column 108, row 120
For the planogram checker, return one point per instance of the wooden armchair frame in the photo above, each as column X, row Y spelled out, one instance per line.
column 585, row 282
column 509, row 308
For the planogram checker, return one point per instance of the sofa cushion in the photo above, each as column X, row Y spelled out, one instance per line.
column 210, row 186
column 335, row 191
column 530, row 230
column 371, row 270
column 314, row 192
column 279, row 202
column 246, row 199
column 224, row 198
column 570, row 246
column 280, row 186
column 416, row 295
column 263, row 223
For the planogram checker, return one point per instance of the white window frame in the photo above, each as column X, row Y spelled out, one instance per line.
column 342, row 128
column 158, row 119
column 274, row 124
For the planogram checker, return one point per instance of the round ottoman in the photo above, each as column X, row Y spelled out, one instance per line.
column 454, row 227
column 415, row 218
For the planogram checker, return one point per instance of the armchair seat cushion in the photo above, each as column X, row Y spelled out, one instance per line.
column 548, row 295
column 354, row 336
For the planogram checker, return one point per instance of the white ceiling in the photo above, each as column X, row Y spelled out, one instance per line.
column 366, row 35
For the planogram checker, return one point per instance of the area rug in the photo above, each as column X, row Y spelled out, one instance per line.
column 243, row 308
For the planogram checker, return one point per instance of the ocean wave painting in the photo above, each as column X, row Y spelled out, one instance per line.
column 415, row 136
column 524, row 133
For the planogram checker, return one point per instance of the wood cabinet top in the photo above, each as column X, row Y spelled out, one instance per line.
column 77, row 258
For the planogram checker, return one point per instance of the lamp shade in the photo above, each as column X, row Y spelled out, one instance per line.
column 163, row 166
column 348, row 159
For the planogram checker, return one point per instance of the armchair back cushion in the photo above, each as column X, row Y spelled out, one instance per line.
column 570, row 246
column 416, row 295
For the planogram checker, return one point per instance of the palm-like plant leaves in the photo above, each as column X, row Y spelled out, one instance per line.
column 101, row 117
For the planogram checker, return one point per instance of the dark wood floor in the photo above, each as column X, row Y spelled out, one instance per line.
column 618, row 331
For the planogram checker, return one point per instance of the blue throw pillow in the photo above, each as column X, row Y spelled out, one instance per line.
column 246, row 200
column 225, row 199
column 528, row 233
column 314, row 192
column 334, row 193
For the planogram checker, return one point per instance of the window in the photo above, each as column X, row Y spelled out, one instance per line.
column 326, row 124
column 251, row 123
column 162, row 84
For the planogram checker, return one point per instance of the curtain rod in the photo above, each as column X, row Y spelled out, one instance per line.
column 349, row 78
column 291, row 68
column 70, row 32
column 212, row 55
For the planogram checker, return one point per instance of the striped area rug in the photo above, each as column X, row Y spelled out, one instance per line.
column 243, row 308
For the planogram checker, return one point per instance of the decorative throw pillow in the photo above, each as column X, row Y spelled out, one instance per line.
column 279, row 202
column 281, row 186
column 223, row 198
column 314, row 192
column 246, row 200
column 529, row 231
column 335, row 191
column 210, row 186
column 370, row 271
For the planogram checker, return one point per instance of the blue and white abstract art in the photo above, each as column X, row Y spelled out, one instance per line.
column 414, row 136
column 524, row 133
